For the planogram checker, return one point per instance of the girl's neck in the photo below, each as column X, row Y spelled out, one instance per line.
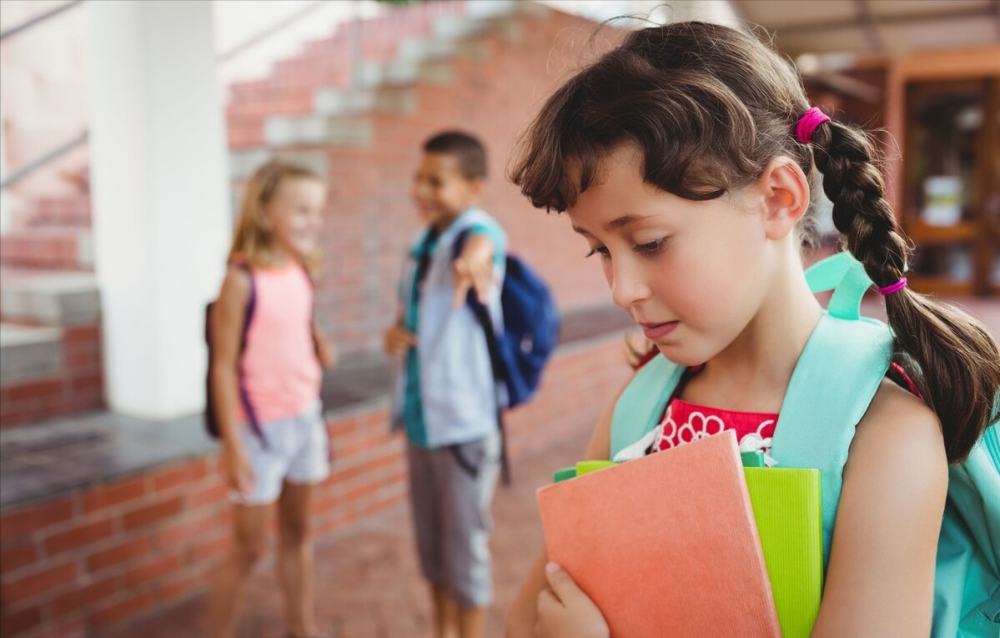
column 753, row 372
column 280, row 257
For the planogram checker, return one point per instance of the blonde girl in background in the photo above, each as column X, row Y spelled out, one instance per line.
column 266, row 370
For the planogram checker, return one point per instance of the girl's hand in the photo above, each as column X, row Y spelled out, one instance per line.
column 564, row 611
column 326, row 353
column 239, row 472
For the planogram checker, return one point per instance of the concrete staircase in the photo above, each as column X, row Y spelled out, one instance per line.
column 50, row 345
column 479, row 66
column 50, row 337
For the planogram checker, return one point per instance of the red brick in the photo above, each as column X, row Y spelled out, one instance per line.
column 33, row 519
column 47, row 578
column 82, row 334
column 181, row 532
column 182, row 475
column 85, row 596
column 14, row 557
column 75, row 628
column 209, row 550
column 120, row 611
column 18, row 622
column 78, row 536
column 151, row 514
column 211, row 495
column 118, row 554
column 46, row 389
column 87, row 385
column 153, row 570
column 177, row 587
column 114, row 494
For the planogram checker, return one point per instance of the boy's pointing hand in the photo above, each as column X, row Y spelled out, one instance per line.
column 474, row 269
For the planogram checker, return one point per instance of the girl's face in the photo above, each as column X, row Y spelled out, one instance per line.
column 692, row 274
column 296, row 214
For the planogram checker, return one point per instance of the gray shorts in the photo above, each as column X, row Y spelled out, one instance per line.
column 297, row 451
column 451, row 514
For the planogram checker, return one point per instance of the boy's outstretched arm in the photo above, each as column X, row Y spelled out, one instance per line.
column 474, row 268
column 523, row 615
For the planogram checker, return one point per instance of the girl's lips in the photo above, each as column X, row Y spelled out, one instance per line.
column 654, row 331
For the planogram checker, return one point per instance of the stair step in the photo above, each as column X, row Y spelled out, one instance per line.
column 73, row 212
column 52, row 248
column 317, row 130
column 333, row 102
column 51, row 298
column 28, row 353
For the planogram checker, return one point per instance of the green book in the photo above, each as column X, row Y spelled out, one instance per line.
column 786, row 505
column 753, row 459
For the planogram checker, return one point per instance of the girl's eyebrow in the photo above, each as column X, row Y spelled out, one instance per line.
column 615, row 224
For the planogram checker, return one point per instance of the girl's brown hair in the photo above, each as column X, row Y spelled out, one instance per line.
column 709, row 107
column 253, row 241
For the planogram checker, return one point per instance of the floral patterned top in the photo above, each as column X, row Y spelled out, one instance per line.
column 686, row 422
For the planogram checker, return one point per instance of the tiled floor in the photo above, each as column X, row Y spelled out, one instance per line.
column 367, row 580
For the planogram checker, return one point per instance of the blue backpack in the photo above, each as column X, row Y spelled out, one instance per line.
column 530, row 333
column 833, row 384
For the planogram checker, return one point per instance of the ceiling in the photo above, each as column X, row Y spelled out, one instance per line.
column 873, row 27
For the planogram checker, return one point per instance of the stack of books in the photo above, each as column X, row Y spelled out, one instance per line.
column 697, row 540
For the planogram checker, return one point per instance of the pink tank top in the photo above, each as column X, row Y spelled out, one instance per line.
column 281, row 374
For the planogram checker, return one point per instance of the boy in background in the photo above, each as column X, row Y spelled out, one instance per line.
column 446, row 397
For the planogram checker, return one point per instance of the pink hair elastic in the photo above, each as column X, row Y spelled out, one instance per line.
column 885, row 291
column 807, row 124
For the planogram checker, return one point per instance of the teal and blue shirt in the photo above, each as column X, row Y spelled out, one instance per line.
column 452, row 349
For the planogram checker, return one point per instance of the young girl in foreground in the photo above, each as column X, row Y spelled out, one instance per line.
column 683, row 159
column 274, row 458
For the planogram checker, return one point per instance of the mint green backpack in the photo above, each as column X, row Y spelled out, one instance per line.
column 832, row 385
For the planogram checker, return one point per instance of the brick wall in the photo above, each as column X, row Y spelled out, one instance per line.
column 85, row 563
column 77, row 385
column 491, row 86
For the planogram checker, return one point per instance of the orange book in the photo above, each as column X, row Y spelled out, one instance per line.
column 666, row 544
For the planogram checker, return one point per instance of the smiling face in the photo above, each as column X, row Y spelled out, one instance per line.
column 295, row 214
column 692, row 273
column 441, row 191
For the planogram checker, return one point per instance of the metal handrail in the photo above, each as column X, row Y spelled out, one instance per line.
column 54, row 154
column 33, row 22
column 269, row 31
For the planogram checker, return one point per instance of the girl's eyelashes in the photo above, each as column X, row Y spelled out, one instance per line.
column 600, row 250
column 651, row 248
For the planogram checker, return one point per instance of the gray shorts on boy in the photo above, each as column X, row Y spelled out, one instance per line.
column 451, row 489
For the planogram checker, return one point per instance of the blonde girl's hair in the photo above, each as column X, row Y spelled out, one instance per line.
column 253, row 241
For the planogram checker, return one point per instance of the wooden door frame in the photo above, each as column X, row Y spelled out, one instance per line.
column 976, row 63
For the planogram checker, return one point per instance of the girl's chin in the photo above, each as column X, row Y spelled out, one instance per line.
column 680, row 355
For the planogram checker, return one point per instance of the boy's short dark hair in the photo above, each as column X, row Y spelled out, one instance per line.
column 468, row 150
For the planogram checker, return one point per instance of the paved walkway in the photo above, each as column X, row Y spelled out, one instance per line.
column 367, row 580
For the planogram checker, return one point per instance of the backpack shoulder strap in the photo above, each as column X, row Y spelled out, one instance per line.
column 836, row 378
column 641, row 405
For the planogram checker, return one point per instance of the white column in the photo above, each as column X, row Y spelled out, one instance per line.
column 4, row 201
column 159, row 189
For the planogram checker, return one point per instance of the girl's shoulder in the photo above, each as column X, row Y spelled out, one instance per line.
column 899, row 434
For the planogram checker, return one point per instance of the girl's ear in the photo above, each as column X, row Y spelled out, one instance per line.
column 784, row 192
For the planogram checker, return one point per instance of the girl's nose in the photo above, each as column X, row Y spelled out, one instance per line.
column 627, row 284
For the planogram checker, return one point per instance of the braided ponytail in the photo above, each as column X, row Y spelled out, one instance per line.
column 955, row 360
